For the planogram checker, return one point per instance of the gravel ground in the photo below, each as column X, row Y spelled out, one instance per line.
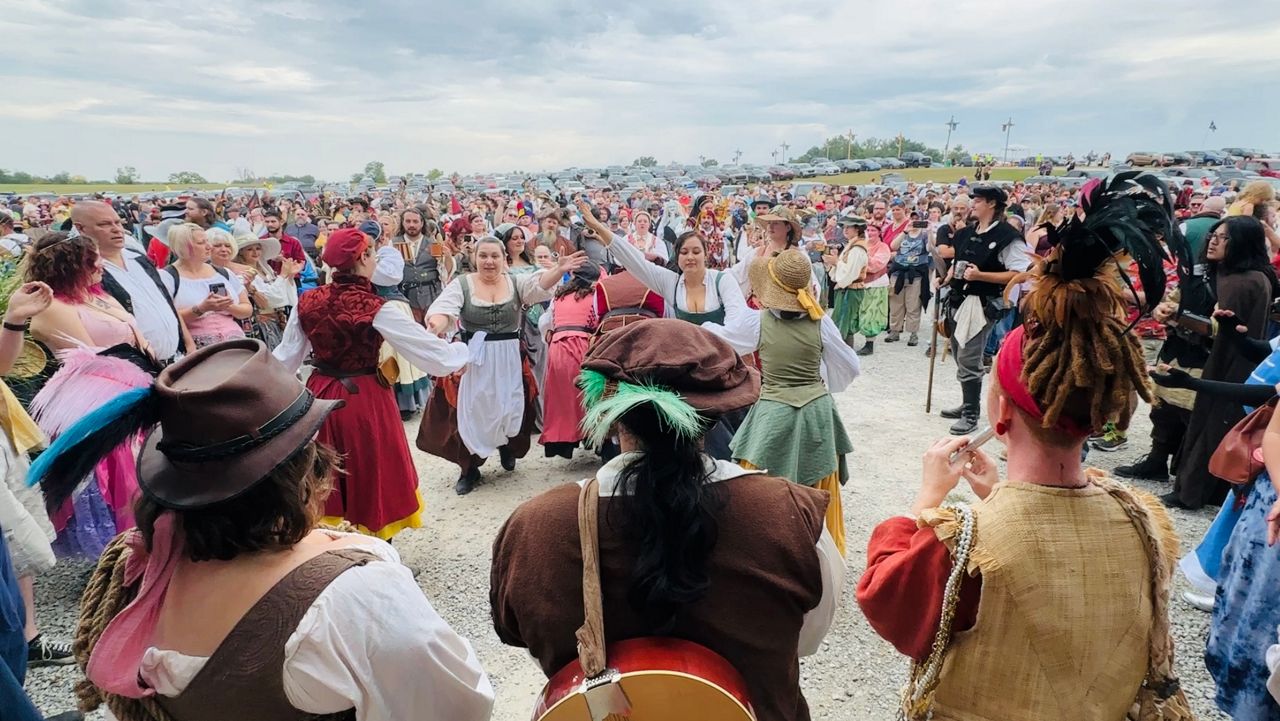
column 855, row 675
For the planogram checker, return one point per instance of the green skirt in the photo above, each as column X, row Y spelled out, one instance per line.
column 862, row 310
column 803, row 445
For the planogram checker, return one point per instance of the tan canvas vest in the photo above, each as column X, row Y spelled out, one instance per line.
column 1065, row 614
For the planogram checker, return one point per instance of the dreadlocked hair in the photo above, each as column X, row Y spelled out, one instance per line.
column 1079, row 357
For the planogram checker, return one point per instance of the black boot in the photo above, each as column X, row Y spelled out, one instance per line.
column 467, row 481
column 968, row 422
column 1155, row 467
column 508, row 460
column 867, row 349
column 952, row 414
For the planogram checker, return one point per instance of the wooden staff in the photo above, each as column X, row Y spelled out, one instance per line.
column 933, row 357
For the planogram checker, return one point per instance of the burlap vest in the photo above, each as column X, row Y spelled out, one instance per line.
column 1065, row 616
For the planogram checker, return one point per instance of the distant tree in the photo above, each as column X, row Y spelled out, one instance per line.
column 62, row 178
column 79, row 180
column 376, row 170
column 245, row 175
column 128, row 175
column 357, row 177
column 186, row 177
column 838, row 148
column 710, row 163
column 434, row 174
column 956, row 152
column 644, row 161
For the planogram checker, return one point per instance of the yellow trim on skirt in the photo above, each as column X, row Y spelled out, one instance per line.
column 385, row 533
column 835, row 511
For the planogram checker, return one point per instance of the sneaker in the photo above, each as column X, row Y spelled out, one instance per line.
column 1202, row 601
column 913, row 340
column 1112, row 439
column 43, row 652
column 892, row 337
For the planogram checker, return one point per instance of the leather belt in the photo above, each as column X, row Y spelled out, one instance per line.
column 492, row 337
column 343, row 377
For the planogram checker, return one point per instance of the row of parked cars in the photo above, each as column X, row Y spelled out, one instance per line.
column 1202, row 158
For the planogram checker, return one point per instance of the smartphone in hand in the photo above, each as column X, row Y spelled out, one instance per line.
column 217, row 289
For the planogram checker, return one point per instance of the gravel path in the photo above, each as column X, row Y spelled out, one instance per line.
column 855, row 676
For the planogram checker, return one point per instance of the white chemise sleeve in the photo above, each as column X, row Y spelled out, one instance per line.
column 372, row 640
column 389, row 267
column 741, row 327
column 449, row 302
column 294, row 345
column 839, row 363
column 818, row 621
column 432, row 355
column 530, row 291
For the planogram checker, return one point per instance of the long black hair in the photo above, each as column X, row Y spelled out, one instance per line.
column 685, row 237
column 669, row 515
column 1246, row 250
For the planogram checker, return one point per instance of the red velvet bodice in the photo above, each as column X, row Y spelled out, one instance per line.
column 338, row 320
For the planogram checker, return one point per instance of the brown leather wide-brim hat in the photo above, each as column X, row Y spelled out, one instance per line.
column 230, row 414
column 699, row 366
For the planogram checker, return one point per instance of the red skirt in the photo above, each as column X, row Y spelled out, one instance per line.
column 377, row 490
column 438, row 431
column 561, row 399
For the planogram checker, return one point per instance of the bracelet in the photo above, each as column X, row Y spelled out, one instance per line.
column 18, row 327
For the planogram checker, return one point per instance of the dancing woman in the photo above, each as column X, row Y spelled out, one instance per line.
column 692, row 292
column 491, row 408
column 569, row 326
column 794, row 430
column 344, row 325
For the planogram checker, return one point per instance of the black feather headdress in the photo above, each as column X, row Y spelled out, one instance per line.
column 1125, row 216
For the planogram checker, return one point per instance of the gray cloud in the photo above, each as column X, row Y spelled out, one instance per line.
column 321, row 87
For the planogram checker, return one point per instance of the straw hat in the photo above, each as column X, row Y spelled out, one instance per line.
column 270, row 246
column 783, row 214
column 778, row 281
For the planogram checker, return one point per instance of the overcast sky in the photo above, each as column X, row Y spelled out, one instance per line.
column 291, row 86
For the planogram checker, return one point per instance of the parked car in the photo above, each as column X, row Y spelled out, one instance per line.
column 915, row 159
column 781, row 172
column 1175, row 158
column 827, row 169
column 1086, row 174
column 893, row 163
column 1191, row 173
column 1266, row 167
column 1243, row 153
column 849, row 166
column 1142, row 158
column 803, row 189
column 1207, row 157
column 871, row 164
column 1233, row 173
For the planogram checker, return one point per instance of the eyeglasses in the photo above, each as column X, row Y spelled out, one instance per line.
column 1220, row 235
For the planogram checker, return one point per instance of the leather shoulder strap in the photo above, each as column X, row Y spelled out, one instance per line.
column 591, row 651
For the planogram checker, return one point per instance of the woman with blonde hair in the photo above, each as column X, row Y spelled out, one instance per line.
column 1258, row 200
column 212, row 301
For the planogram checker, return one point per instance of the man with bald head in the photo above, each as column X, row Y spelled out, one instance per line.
column 133, row 281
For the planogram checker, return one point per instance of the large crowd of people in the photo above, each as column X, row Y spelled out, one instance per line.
column 223, row 385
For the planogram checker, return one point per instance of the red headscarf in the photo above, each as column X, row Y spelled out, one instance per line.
column 1009, row 365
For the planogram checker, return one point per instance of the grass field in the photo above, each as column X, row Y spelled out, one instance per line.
column 923, row 175
column 107, row 188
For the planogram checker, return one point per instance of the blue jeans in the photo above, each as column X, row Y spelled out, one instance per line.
column 14, row 704
column 1001, row 329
